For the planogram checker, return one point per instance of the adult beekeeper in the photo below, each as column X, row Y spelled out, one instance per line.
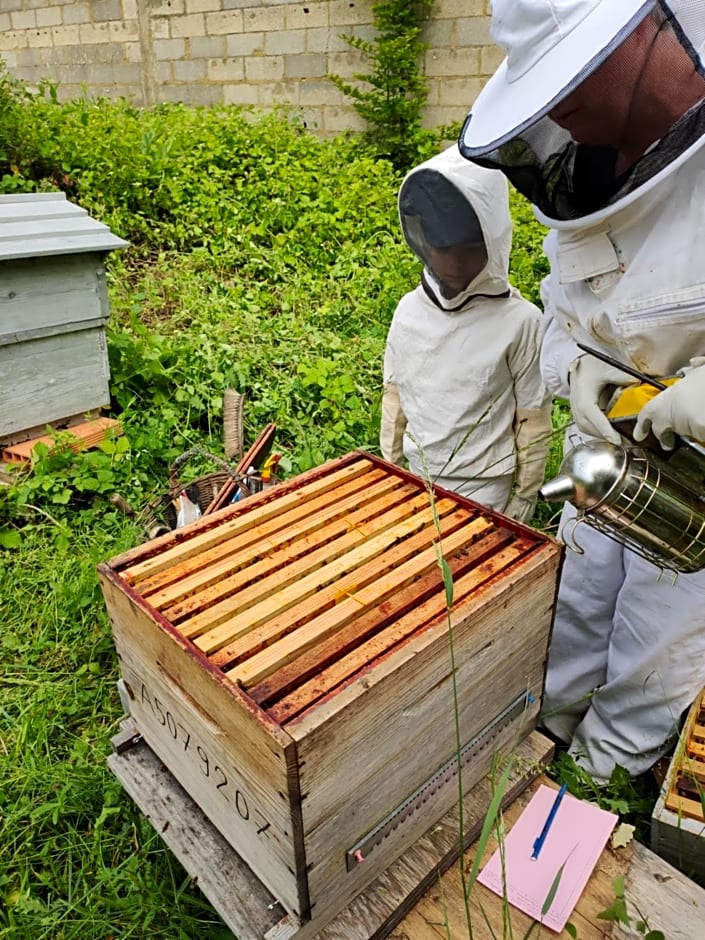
column 597, row 116
column 463, row 398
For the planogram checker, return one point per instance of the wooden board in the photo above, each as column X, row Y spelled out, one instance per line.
column 49, row 379
column 53, row 353
column 654, row 891
column 241, row 899
column 251, row 785
column 246, row 905
column 50, row 296
column 415, row 896
column 401, row 711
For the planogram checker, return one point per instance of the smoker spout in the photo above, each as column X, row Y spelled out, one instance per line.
column 558, row 489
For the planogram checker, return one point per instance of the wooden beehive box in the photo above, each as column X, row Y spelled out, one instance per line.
column 288, row 659
column 678, row 821
column 53, row 311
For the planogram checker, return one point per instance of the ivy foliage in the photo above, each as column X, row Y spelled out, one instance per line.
column 392, row 95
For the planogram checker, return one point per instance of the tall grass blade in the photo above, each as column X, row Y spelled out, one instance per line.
column 488, row 824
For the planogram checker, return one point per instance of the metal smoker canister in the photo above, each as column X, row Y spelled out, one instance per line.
column 636, row 499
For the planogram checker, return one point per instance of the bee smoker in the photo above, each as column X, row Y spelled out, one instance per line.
column 652, row 501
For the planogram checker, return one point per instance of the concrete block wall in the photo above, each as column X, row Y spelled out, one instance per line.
column 236, row 52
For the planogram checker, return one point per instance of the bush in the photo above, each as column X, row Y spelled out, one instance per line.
column 262, row 258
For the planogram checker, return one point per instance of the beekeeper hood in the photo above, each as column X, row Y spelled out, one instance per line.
column 455, row 218
column 579, row 77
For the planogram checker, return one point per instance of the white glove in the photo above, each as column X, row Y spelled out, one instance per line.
column 592, row 384
column 521, row 508
column 532, row 437
column 678, row 409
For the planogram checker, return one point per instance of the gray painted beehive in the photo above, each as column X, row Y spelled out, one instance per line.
column 53, row 312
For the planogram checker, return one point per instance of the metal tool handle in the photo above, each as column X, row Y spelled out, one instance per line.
column 630, row 370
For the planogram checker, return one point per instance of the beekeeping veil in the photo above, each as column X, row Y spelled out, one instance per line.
column 455, row 218
column 434, row 213
column 628, row 55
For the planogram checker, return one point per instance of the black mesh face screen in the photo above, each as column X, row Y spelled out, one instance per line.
column 436, row 213
column 625, row 119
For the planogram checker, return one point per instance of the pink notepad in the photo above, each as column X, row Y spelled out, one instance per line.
column 575, row 840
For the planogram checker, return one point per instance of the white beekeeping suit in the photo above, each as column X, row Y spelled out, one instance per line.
column 463, row 401
column 602, row 127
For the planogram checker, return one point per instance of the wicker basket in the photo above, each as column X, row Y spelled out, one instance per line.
column 160, row 514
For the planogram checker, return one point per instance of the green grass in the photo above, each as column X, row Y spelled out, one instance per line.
column 78, row 860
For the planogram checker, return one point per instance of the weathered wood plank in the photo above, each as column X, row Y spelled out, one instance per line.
column 29, row 398
column 244, row 903
column 247, row 906
column 665, row 898
column 242, row 800
column 656, row 892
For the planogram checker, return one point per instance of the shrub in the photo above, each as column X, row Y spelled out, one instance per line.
column 392, row 96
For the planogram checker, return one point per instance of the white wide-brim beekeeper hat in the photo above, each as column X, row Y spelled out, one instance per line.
column 551, row 46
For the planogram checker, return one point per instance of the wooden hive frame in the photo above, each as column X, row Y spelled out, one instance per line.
column 686, row 782
column 678, row 821
column 293, row 589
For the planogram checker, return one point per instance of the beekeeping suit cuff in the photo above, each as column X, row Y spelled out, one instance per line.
column 592, row 385
column 393, row 425
column 532, row 438
column 679, row 409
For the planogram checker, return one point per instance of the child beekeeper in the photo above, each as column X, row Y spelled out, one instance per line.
column 463, row 398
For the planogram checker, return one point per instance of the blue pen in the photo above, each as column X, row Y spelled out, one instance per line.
column 538, row 843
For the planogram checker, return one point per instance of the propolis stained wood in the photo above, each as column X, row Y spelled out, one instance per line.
column 289, row 660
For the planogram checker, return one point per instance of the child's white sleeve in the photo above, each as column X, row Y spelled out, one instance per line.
column 393, row 423
column 529, row 389
column 532, row 419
